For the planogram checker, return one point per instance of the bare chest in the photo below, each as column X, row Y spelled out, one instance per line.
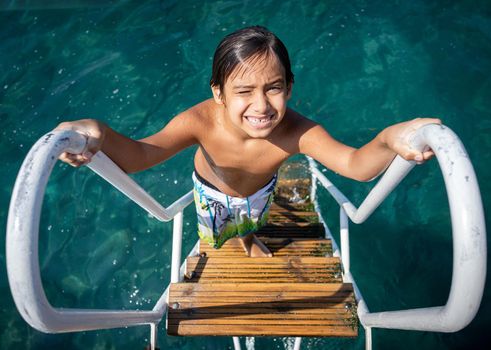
column 260, row 157
column 238, row 170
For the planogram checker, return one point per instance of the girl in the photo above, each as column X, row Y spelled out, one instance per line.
column 245, row 132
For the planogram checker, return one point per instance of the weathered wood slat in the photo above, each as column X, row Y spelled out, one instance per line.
column 279, row 252
column 331, row 314
column 261, row 309
column 282, row 205
column 270, row 270
column 234, row 321
column 262, row 293
column 291, row 279
column 260, row 312
column 278, row 287
column 288, row 261
column 280, row 247
column 284, row 212
column 306, row 303
column 314, row 230
column 266, row 271
column 271, row 330
column 293, row 227
column 278, row 241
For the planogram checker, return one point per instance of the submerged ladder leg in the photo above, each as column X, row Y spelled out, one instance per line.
column 236, row 343
column 153, row 336
column 368, row 338
column 298, row 341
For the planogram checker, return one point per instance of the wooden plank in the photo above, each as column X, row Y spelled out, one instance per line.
column 279, row 213
column 292, row 214
column 271, row 330
column 292, row 244
column 316, row 229
column 266, row 294
column 298, row 261
column 288, row 222
column 293, row 227
column 280, row 299
column 265, row 279
column 271, row 270
column 279, row 204
column 233, row 321
column 255, row 304
column 198, row 310
column 280, row 221
column 203, row 273
column 277, row 253
column 278, row 246
column 259, row 312
column 291, row 247
column 272, row 241
column 313, row 250
column 329, row 314
column 203, row 270
column 282, row 287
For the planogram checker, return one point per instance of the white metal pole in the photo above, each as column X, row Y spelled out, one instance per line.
column 344, row 236
column 368, row 338
column 298, row 341
column 176, row 247
column 236, row 343
column 153, row 336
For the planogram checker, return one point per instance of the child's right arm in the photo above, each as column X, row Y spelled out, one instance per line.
column 131, row 155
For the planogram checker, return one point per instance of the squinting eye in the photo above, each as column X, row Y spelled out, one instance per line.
column 243, row 92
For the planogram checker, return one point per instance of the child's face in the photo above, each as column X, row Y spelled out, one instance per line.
column 255, row 96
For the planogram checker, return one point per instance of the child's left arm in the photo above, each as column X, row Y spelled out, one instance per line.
column 367, row 162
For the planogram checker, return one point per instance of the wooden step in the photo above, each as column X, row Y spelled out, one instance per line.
column 313, row 230
column 266, row 270
column 293, row 190
column 299, row 218
column 278, row 246
column 281, row 206
column 296, row 293
column 262, row 309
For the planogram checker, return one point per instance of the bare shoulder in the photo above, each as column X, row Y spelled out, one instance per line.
column 198, row 113
column 200, row 116
column 296, row 124
column 185, row 128
column 194, row 119
column 294, row 127
column 295, row 119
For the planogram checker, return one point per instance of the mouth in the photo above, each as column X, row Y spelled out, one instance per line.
column 261, row 122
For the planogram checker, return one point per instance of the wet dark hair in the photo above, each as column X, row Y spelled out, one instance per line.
column 243, row 44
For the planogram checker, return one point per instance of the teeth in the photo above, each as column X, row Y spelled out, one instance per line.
column 259, row 120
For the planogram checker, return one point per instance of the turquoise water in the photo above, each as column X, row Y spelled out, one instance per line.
column 359, row 66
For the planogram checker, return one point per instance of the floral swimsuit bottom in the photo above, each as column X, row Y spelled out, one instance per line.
column 221, row 217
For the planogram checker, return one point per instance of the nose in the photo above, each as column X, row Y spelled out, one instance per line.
column 260, row 103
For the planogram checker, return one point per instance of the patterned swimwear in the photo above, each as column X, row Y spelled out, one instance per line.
column 221, row 217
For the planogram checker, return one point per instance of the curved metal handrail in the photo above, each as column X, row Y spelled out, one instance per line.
column 108, row 170
column 468, row 231
column 23, row 236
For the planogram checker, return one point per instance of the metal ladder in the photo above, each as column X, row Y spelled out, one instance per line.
column 467, row 217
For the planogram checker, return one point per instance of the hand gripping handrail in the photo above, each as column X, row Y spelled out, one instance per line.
column 23, row 235
column 468, row 232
